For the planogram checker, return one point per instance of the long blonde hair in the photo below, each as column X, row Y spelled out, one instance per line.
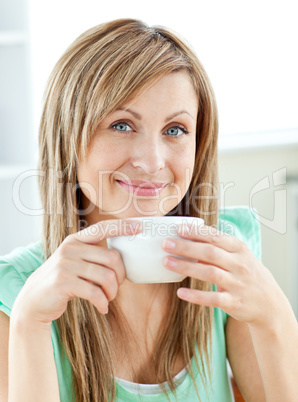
column 102, row 69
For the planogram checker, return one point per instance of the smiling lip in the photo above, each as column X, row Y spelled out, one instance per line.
column 145, row 188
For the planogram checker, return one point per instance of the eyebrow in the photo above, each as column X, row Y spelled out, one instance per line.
column 139, row 117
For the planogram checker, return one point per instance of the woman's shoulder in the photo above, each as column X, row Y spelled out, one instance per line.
column 24, row 259
column 15, row 268
column 241, row 222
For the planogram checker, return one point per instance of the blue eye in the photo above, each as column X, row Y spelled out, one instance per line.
column 121, row 125
column 174, row 130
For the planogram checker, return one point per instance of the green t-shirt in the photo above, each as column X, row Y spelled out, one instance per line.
column 18, row 265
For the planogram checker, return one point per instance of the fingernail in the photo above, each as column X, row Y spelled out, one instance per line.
column 169, row 244
column 171, row 263
column 182, row 292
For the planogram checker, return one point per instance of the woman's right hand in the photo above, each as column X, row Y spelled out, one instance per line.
column 78, row 268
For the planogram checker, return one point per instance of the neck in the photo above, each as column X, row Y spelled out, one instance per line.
column 144, row 299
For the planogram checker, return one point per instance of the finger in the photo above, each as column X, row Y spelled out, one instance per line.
column 203, row 272
column 93, row 234
column 100, row 276
column 210, row 235
column 109, row 258
column 205, row 298
column 202, row 252
column 88, row 291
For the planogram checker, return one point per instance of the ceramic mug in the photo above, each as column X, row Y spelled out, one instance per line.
column 142, row 253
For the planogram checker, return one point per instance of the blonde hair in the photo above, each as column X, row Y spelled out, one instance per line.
column 102, row 69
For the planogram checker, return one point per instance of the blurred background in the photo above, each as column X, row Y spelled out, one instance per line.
column 249, row 50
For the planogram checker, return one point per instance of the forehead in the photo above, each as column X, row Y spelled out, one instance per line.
column 176, row 89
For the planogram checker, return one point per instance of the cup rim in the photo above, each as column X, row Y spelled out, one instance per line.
column 165, row 217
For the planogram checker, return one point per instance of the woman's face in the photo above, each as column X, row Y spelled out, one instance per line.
column 146, row 143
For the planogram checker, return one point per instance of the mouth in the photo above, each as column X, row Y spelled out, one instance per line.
column 142, row 188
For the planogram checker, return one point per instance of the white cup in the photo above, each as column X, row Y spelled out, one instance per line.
column 142, row 253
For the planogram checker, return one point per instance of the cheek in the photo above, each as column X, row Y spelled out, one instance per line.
column 102, row 161
column 183, row 162
column 107, row 153
column 88, row 179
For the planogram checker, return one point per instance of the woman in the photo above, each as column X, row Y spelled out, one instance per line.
column 129, row 107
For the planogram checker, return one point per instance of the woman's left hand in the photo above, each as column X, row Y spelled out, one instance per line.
column 246, row 289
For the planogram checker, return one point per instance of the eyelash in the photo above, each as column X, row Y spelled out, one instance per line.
column 175, row 136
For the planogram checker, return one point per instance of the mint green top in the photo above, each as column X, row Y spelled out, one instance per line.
column 19, row 264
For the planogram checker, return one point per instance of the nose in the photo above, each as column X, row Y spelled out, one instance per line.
column 148, row 155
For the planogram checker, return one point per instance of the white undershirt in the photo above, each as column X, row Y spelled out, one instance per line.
column 150, row 389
